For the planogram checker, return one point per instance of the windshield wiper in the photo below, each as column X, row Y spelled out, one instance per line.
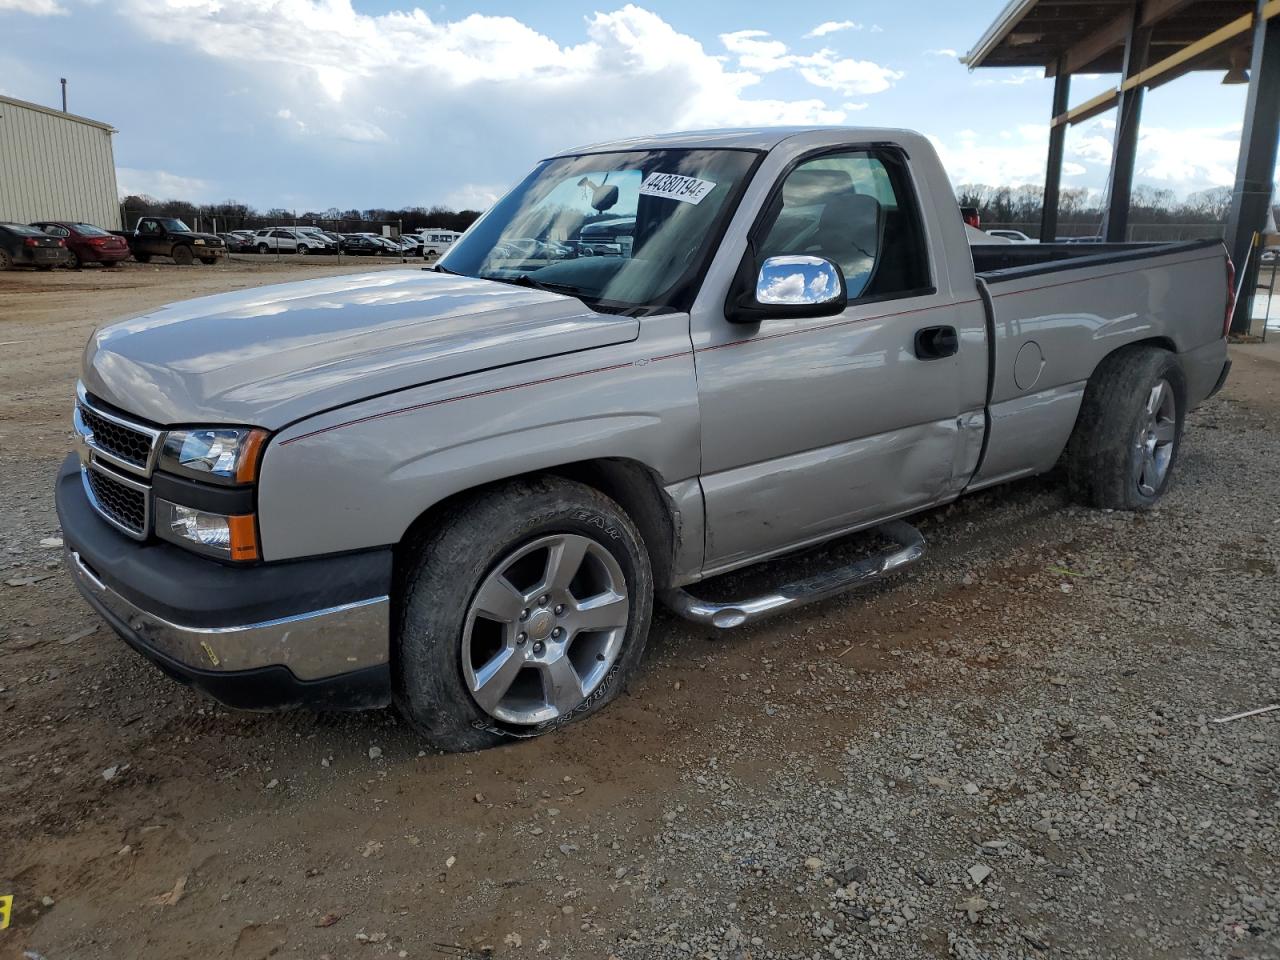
column 525, row 280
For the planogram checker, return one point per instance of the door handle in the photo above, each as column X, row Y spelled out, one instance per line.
column 934, row 343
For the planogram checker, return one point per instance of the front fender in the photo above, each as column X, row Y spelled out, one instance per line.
column 359, row 476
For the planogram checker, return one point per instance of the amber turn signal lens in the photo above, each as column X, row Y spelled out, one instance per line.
column 250, row 454
column 244, row 537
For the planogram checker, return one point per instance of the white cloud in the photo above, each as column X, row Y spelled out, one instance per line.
column 854, row 107
column 943, row 52
column 832, row 26
column 1014, row 78
column 847, row 76
column 37, row 8
column 757, row 51
column 161, row 184
column 332, row 64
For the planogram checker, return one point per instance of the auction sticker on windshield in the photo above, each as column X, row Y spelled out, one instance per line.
column 672, row 186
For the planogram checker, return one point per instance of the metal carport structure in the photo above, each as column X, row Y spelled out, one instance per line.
column 1148, row 43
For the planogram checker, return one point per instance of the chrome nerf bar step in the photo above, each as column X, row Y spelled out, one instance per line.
column 822, row 586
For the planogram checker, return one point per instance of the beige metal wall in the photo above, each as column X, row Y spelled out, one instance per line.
column 55, row 166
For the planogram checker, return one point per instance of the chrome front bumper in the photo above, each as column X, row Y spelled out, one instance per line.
column 313, row 645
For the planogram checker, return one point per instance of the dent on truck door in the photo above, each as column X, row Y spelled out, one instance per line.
column 815, row 426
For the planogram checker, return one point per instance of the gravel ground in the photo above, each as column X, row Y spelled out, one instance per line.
column 1008, row 752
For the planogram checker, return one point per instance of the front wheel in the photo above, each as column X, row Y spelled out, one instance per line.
column 263, row 249
column 183, row 256
column 1129, row 430
column 526, row 609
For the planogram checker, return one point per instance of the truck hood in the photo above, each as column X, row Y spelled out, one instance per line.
column 272, row 355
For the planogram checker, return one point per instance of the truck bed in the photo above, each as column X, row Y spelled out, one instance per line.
column 1055, row 310
column 998, row 262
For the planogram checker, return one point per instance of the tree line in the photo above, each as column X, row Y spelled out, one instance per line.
column 1080, row 210
column 232, row 215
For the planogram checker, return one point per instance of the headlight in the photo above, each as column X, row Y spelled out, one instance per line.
column 228, row 538
column 226, row 455
column 198, row 243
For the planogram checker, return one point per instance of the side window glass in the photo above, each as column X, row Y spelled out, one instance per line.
column 857, row 210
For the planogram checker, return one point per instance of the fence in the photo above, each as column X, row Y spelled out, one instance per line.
column 1138, row 232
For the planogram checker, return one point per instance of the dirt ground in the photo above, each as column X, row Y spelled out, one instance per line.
column 1007, row 752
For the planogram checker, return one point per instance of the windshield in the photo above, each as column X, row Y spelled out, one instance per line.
column 626, row 230
column 173, row 225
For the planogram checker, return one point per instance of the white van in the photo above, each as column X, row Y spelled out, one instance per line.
column 436, row 241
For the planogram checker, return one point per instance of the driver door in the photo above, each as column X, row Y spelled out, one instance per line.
column 811, row 427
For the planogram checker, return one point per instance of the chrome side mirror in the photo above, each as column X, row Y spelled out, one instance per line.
column 788, row 286
column 799, row 281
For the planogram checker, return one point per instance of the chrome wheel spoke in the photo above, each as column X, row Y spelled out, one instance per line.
column 494, row 679
column 564, row 560
column 608, row 611
column 562, row 683
column 1156, row 397
column 1165, row 431
column 499, row 599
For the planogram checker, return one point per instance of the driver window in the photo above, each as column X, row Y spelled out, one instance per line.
column 856, row 210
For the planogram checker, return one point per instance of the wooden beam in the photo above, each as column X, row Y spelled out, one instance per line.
column 1220, row 36
column 1090, row 108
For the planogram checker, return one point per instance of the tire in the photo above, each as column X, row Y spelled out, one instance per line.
column 183, row 256
column 209, row 260
column 263, row 249
column 446, row 644
column 142, row 257
column 112, row 263
column 6, row 261
column 73, row 260
column 1125, row 445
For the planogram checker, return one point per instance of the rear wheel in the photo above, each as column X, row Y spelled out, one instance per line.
column 1129, row 431
column 142, row 257
column 183, row 256
column 302, row 250
column 73, row 260
column 526, row 609
column 6, row 261
column 263, row 249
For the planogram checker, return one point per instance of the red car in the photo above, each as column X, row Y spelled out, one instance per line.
column 87, row 243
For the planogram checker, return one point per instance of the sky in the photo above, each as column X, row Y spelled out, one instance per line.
column 311, row 104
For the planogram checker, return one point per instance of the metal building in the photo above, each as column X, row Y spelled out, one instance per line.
column 56, row 166
column 1150, row 42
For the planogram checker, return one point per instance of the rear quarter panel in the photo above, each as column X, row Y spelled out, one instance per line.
column 358, row 476
column 1052, row 330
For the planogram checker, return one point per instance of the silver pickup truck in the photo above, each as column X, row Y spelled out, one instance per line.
column 656, row 360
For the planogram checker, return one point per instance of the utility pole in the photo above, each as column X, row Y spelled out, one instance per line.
column 64, row 94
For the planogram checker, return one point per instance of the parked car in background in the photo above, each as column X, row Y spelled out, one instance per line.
column 288, row 240
column 436, row 242
column 86, row 243
column 363, row 245
column 1013, row 236
column 465, row 488
column 23, row 246
column 330, row 241
column 170, row 237
column 238, row 241
column 388, row 245
column 411, row 244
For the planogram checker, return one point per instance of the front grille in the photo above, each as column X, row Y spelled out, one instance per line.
column 124, row 443
column 118, row 502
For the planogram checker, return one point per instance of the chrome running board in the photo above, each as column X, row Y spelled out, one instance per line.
column 910, row 550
